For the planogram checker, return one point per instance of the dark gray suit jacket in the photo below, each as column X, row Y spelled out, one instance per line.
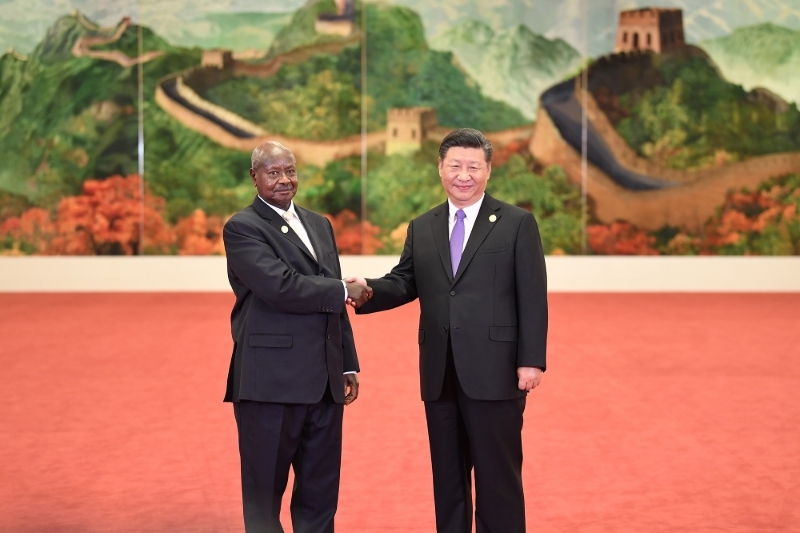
column 494, row 310
column 289, row 324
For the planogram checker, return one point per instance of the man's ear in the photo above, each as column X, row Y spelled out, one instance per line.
column 253, row 176
column 488, row 170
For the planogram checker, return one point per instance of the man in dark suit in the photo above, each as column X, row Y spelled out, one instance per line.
column 477, row 267
column 294, row 363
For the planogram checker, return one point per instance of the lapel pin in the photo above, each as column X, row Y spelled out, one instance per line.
column 285, row 229
column 492, row 218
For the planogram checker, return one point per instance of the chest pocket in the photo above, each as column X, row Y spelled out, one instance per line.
column 493, row 249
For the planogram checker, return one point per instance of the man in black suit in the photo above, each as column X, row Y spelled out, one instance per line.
column 294, row 363
column 477, row 267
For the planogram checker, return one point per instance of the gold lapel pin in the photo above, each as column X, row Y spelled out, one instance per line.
column 285, row 229
column 492, row 218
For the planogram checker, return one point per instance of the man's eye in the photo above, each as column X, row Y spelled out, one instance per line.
column 473, row 169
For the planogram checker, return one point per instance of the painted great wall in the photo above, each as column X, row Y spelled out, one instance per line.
column 624, row 186
column 179, row 95
column 83, row 46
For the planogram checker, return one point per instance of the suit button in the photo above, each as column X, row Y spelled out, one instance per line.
column 329, row 335
column 452, row 293
column 321, row 274
column 445, row 329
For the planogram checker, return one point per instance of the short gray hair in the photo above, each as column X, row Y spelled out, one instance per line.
column 266, row 149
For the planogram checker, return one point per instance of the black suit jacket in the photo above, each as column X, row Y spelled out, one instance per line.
column 494, row 310
column 289, row 324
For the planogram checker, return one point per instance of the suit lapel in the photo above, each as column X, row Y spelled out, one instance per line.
column 277, row 222
column 441, row 236
column 480, row 231
column 311, row 229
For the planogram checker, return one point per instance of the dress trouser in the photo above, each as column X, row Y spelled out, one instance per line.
column 275, row 436
column 484, row 435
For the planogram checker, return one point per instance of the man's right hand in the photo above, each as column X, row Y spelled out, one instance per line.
column 357, row 294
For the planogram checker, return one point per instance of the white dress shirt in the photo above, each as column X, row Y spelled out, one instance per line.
column 471, row 213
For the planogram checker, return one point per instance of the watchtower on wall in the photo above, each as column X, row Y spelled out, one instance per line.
column 407, row 128
column 659, row 30
column 339, row 23
column 217, row 58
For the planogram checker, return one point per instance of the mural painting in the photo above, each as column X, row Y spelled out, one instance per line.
column 627, row 128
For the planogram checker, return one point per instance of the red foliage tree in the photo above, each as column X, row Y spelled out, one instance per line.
column 620, row 238
column 199, row 234
column 105, row 219
column 347, row 229
column 747, row 213
column 30, row 232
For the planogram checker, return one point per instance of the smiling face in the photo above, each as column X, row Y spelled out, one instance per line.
column 464, row 173
column 275, row 177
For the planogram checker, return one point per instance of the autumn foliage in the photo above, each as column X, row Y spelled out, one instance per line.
column 765, row 221
column 109, row 215
column 761, row 222
column 199, row 234
column 106, row 218
column 620, row 238
column 348, row 230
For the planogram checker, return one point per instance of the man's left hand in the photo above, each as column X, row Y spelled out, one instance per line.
column 529, row 377
column 350, row 388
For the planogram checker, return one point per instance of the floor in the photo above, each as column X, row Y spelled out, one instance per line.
column 659, row 412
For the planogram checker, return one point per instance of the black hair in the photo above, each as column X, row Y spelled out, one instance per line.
column 466, row 138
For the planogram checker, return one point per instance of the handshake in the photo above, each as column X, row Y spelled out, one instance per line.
column 358, row 292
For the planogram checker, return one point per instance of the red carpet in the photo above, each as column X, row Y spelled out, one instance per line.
column 659, row 413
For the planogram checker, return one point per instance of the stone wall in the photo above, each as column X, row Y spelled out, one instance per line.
column 315, row 153
column 688, row 205
column 83, row 47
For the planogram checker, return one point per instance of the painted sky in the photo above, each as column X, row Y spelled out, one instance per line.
column 24, row 22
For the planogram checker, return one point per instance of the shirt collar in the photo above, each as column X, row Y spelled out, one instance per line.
column 280, row 211
column 471, row 211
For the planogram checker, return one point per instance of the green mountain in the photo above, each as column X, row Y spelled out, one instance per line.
column 66, row 119
column 514, row 66
column 403, row 71
column 764, row 55
column 320, row 98
column 678, row 111
column 300, row 29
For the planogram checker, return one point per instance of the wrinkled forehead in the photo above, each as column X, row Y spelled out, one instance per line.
column 279, row 159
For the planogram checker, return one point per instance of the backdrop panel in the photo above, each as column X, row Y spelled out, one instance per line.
column 125, row 127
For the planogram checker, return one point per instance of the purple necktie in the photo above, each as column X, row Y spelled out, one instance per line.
column 457, row 240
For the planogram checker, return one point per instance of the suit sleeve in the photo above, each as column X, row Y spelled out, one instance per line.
column 256, row 265
column 396, row 288
column 350, row 358
column 531, row 284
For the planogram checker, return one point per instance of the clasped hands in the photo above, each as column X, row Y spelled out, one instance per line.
column 358, row 292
